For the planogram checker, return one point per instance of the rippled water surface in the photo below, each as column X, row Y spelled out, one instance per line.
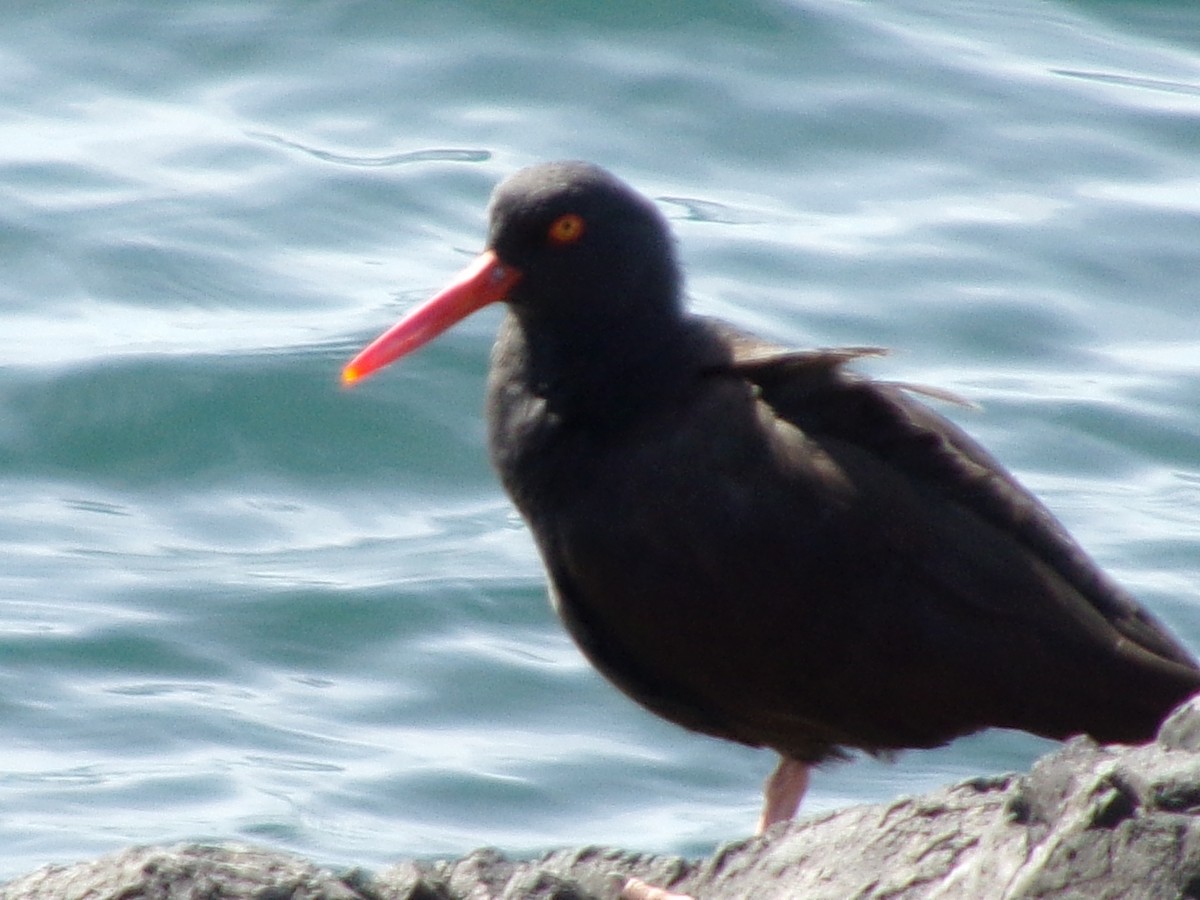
column 237, row 602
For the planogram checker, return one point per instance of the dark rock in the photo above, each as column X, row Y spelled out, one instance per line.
column 1086, row 822
column 1181, row 730
column 190, row 872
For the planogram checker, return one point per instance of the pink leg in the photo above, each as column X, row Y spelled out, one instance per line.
column 783, row 792
column 781, row 798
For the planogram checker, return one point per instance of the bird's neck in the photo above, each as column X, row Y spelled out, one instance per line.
column 554, row 405
column 603, row 373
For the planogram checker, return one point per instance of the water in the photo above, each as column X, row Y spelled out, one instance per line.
column 238, row 602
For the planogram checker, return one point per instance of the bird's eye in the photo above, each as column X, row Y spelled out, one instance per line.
column 566, row 229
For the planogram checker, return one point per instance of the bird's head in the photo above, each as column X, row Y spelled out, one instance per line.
column 568, row 243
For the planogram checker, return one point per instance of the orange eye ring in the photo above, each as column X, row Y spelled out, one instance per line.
column 566, row 229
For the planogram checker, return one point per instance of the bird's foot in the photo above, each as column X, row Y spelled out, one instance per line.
column 636, row 889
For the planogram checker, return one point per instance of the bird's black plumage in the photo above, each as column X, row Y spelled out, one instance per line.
column 764, row 546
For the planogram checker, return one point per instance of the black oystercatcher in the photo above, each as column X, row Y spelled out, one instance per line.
column 756, row 543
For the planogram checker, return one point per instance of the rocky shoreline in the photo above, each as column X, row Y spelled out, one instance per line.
column 1085, row 822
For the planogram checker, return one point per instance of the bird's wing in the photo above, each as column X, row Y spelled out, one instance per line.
column 813, row 391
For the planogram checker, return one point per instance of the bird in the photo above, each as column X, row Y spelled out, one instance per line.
column 759, row 543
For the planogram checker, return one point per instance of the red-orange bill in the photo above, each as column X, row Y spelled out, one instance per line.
column 485, row 281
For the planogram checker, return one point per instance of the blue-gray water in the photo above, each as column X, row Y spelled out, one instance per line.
column 238, row 602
